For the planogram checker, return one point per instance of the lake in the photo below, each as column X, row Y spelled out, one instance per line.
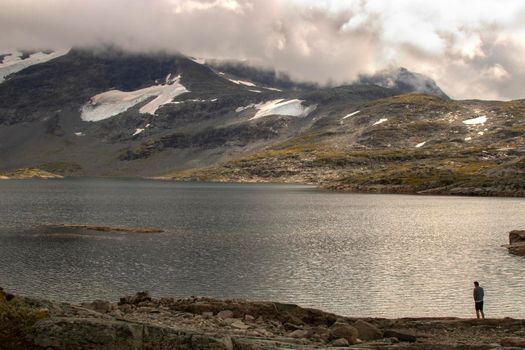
column 352, row 254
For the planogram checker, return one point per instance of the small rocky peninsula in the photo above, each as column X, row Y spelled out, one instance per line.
column 141, row 322
column 29, row 173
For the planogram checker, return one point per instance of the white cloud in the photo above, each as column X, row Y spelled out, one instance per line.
column 472, row 48
column 185, row 6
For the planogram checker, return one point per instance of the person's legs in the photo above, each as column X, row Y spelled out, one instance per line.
column 481, row 310
column 479, row 307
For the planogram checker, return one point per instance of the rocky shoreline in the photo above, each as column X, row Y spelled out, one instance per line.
column 141, row 322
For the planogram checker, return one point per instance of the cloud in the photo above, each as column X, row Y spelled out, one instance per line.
column 472, row 48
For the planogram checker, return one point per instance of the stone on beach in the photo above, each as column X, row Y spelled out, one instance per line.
column 402, row 335
column 139, row 297
column 239, row 325
column 249, row 318
column 340, row 342
column 225, row 314
column 513, row 342
column 344, row 330
column 299, row 333
column 101, row 306
column 367, row 331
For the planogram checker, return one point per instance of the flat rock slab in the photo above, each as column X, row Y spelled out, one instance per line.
column 98, row 334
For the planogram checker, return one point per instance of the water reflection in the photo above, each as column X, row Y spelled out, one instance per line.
column 371, row 255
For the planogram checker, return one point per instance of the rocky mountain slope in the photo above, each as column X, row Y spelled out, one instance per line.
column 106, row 112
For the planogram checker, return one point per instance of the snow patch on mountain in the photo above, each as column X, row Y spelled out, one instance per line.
column 242, row 82
column 15, row 61
column 350, row 115
column 294, row 108
column 114, row 102
column 197, row 100
column 251, row 105
column 380, row 121
column 198, row 60
column 474, row 121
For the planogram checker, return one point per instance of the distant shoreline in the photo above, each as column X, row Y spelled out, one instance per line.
column 336, row 188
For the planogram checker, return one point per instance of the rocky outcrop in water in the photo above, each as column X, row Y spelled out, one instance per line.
column 516, row 242
column 101, row 228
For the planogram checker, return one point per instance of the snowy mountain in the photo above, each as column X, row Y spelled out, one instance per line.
column 107, row 112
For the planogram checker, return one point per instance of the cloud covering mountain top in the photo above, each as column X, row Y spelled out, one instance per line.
column 472, row 48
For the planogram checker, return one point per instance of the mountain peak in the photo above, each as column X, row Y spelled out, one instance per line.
column 403, row 80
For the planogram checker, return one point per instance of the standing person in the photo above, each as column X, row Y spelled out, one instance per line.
column 479, row 293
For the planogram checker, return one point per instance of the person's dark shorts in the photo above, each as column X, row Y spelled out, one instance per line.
column 479, row 305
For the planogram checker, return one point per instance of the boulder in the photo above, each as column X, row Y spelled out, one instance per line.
column 138, row 298
column 513, row 342
column 340, row 342
column 344, row 330
column 319, row 334
column 299, row 333
column 227, row 321
column 263, row 332
column 516, row 236
column 240, row 325
column 367, row 331
column 516, row 242
column 402, row 335
column 225, row 314
column 101, row 306
column 125, row 308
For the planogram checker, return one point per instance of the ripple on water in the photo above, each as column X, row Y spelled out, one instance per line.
column 353, row 254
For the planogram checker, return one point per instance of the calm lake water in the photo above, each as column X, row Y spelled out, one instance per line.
column 353, row 254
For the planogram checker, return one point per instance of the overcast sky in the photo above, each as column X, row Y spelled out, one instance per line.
column 472, row 48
